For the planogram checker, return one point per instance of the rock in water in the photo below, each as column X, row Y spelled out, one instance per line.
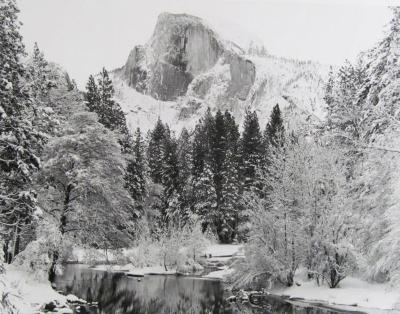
column 50, row 306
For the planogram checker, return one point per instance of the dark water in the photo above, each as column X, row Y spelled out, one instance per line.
column 118, row 294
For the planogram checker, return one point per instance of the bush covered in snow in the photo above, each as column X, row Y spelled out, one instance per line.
column 176, row 248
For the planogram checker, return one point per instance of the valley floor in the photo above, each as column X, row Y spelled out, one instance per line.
column 28, row 294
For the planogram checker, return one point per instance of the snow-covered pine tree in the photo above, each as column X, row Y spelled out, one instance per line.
column 273, row 138
column 40, row 77
column 109, row 112
column 19, row 141
column 231, row 185
column 106, row 93
column 155, row 152
column 251, row 150
column 218, row 151
column 345, row 112
column 38, row 73
column 106, row 89
column 185, row 155
column 185, row 174
column 203, row 187
column 230, row 205
column 233, row 134
column 205, row 197
column 71, row 84
column 92, row 95
column 273, row 133
column 200, row 149
column 170, row 179
column 136, row 171
column 215, row 138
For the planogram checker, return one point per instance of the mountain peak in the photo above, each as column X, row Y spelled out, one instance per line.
column 181, row 48
column 186, row 67
column 163, row 16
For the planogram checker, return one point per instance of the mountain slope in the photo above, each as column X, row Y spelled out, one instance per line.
column 186, row 67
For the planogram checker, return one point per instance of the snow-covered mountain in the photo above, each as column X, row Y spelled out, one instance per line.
column 186, row 67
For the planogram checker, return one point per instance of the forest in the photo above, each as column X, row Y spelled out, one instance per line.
column 323, row 198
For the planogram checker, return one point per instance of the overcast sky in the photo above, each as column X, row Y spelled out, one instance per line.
column 84, row 35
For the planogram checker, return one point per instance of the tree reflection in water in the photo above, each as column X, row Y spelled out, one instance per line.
column 119, row 294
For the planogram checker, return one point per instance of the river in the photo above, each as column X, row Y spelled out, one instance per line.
column 116, row 293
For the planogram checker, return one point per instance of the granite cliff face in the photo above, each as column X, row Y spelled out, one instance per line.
column 187, row 67
column 181, row 48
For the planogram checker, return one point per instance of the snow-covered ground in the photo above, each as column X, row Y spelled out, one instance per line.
column 214, row 253
column 27, row 293
column 220, row 274
column 223, row 250
column 352, row 291
column 130, row 270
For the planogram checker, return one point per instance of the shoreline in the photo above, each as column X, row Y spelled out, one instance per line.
column 353, row 295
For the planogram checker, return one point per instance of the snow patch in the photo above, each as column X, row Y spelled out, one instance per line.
column 27, row 294
column 352, row 291
column 224, row 250
column 220, row 274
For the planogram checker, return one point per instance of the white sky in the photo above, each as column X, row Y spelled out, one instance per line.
column 85, row 35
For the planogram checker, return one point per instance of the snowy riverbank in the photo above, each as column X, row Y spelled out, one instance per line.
column 216, row 254
column 352, row 292
column 27, row 294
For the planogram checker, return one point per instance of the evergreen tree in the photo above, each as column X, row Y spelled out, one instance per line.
column 155, row 152
column 99, row 99
column 38, row 75
column 274, row 130
column 106, row 89
column 231, row 184
column 203, row 184
column 228, row 210
column 92, row 95
column 184, row 156
column 110, row 113
column 199, row 150
column 251, row 150
column 171, row 178
column 233, row 134
column 346, row 115
column 203, row 136
column 215, row 167
column 136, row 171
column 39, row 79
column 205, row 197
column 218, row 150
column 71, row 85
column 185, row 174
column 19, row 142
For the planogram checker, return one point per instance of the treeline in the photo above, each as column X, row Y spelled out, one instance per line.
column 207, row 172
column 202, row 172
